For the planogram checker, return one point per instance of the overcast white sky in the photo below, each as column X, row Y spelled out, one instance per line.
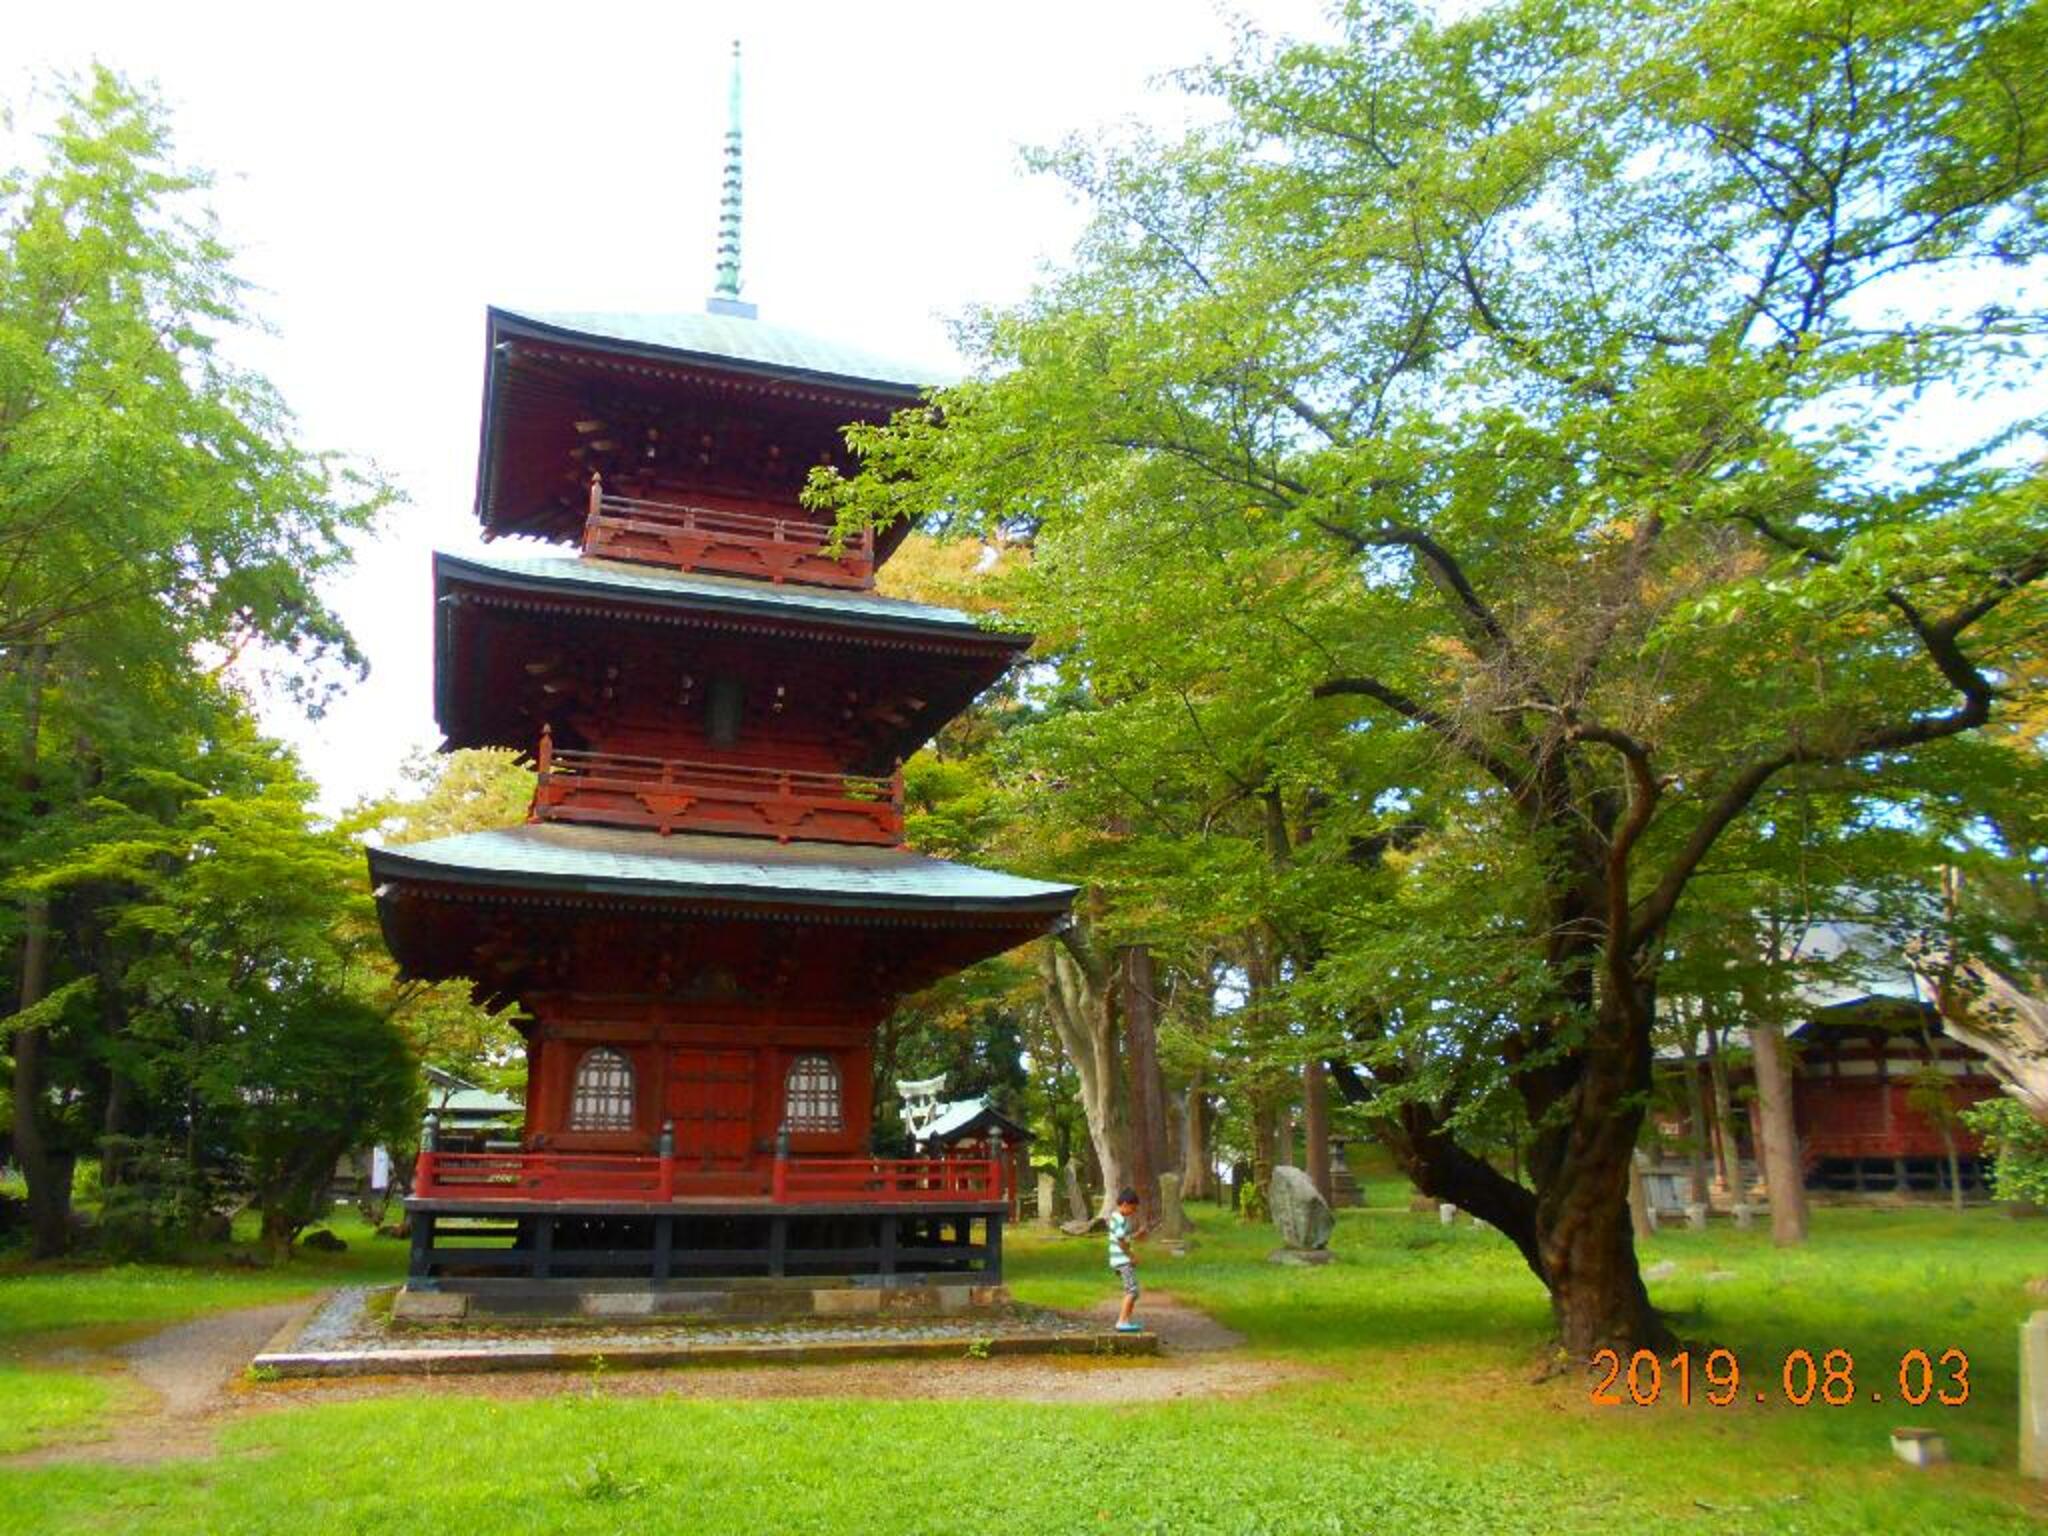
column 388, row 170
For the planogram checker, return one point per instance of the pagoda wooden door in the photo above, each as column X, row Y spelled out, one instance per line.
column 711, row 1101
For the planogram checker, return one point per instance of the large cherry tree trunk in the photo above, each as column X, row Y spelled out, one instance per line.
column 1571, row 1220
column 1584, row 1232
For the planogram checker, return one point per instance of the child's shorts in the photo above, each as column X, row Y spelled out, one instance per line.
column 1128, row 1273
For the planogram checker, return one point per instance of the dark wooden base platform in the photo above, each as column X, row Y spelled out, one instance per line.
column 456, row 1244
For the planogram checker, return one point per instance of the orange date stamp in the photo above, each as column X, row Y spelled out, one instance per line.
column 1643, row 1379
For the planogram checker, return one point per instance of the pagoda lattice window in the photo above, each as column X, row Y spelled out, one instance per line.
column 603, row 1096
column 811, row 1095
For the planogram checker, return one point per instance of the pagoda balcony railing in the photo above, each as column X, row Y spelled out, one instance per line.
column 738, row 543
column 678, row 795
column 636, row 1179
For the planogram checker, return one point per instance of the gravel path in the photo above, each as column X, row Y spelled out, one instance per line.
column 189, row 1366
column 346, row 1322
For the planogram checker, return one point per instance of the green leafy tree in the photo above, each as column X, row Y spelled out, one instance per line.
column 158, row 521
column 223, row 1021
column 1564, row 354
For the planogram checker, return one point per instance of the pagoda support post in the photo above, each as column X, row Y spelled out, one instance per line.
column 420, row 1266
column 664, row 1247
column 778, row 1246
column 543, row 1246
column 885, row 1261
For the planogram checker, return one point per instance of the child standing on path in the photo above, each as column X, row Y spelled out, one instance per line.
column 1122, row 1233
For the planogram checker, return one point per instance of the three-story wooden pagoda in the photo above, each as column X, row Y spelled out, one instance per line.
column 710, row 907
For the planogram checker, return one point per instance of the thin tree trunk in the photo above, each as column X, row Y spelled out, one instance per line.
column 1696, row 1100
column 1941, row 1110
column 277, row 1232
column 1196, row 1176
column 1315, row 1114
column 1639, row 1201
column 114, row 1026
column 1265, row 1134
column 1176, row 1106
column 1727, row 1143
column 1784, row 1173
column 45, row 1169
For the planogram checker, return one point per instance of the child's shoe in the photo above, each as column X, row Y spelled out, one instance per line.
column 1130, row 1328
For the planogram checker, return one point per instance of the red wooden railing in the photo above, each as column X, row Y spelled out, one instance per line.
column 695, row 538
column 674, row 794
column 846, row 1180
column 638, row 1179
column 537, row 1176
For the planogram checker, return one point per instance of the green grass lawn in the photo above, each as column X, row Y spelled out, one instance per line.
column 43, row 1300
column 1412, row 1409
column 52, row 1313
column 40, row 1406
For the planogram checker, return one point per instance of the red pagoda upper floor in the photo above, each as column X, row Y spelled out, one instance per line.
column 683, row 702
column 679, row 440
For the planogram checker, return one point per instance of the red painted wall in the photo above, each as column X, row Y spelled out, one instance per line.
column 717, row 1070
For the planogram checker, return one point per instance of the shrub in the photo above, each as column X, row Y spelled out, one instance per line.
column 2018, row 1147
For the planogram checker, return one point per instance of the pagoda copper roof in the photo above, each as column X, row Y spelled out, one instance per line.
column 617, row 862
column 725, row 341
column 563, row 574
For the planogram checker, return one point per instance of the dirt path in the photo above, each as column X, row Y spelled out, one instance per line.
column 1182, row 1329
column 187, row 1370
column 195, row 1372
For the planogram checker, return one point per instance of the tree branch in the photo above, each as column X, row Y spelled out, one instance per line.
column 1515, row 780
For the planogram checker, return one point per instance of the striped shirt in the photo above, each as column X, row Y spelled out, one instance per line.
column 1119, row 1239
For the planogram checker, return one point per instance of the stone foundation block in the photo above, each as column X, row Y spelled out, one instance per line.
column 616, row 1303
column 846, row 1301
column 410, row 1306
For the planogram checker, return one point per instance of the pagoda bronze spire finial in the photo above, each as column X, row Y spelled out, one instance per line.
column 725, row 293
